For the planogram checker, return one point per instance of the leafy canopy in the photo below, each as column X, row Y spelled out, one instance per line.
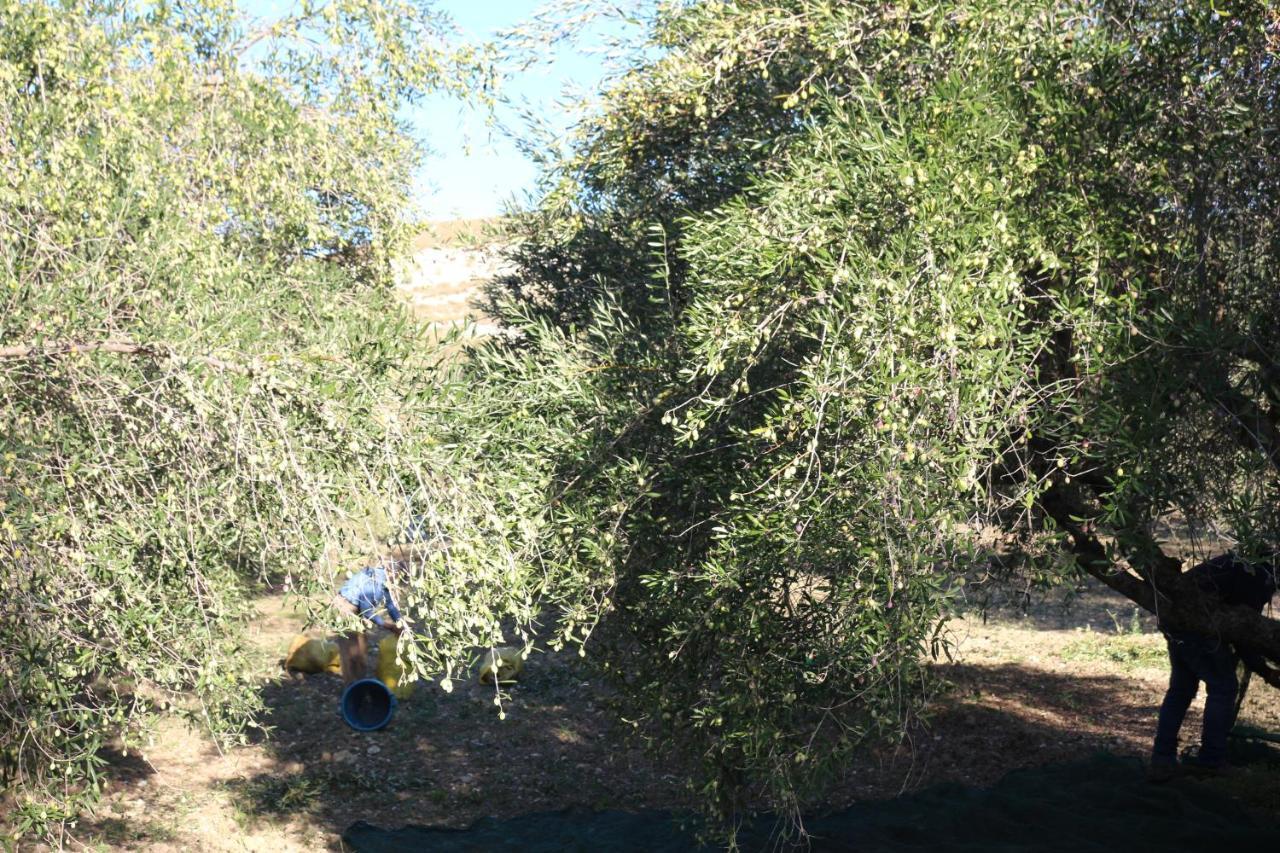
column 834, row 291
column 204, row 377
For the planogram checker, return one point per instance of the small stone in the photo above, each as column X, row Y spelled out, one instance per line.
column 343, row 755
column 374, row 750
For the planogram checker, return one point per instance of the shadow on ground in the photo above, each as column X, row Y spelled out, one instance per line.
column 1101, row 804
column 448, row 758
column 447, row 761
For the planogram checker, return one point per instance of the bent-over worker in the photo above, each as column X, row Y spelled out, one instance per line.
column 1197, row 657
column 366, row 594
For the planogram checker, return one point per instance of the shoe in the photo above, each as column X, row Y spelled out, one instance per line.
column 1159, row 772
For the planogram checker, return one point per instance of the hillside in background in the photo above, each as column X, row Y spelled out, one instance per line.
column 450, row 262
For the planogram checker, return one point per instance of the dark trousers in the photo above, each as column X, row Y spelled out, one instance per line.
column 1194, row 658
column 353, row 646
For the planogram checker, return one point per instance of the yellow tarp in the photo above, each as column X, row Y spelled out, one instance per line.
column 505, row 662
column 310, row 654
column 388, row 670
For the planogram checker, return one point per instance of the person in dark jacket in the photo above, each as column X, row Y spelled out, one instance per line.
column 1197, row 657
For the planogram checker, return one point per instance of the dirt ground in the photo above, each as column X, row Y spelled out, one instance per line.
column 1027, row 688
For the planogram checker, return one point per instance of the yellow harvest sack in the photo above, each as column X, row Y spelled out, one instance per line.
column 388, row 670
column 504, row 663
column 310, row 654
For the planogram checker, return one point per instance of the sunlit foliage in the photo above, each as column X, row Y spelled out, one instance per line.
column 203, row 372
column 854, row 287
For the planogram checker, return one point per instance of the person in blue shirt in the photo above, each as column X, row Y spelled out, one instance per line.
column 367, row 594
column 1194, row 658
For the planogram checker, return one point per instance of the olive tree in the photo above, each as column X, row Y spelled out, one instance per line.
column 846, row 288
column 205, row 377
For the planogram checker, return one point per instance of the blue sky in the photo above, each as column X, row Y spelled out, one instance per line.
column 473, row 168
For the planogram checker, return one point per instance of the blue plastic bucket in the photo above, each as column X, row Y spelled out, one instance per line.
column 367, row 705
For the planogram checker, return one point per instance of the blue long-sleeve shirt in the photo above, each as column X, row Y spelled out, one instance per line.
column 367, row 590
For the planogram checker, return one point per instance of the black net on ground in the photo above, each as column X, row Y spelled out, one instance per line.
column 1102, row 804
